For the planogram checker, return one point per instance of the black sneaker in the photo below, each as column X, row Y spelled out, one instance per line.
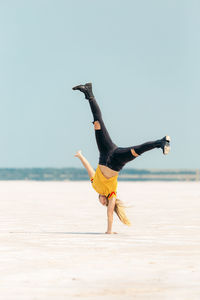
column 166, row 144
column 86, row 89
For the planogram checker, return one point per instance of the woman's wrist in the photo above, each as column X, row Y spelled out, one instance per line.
column 80, row 156
column 109, row 227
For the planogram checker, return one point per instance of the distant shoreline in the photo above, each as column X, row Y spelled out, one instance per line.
column 77, row 174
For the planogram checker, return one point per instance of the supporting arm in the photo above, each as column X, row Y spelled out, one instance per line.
column 110, row 210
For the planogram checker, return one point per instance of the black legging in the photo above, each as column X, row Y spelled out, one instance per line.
column 111, row 155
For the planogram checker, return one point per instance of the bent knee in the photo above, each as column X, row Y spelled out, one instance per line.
column 97, row 125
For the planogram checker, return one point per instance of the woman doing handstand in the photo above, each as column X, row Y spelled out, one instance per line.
column 111, row 160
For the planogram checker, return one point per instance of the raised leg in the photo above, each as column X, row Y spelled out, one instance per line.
column 103, row 139
column 122, row 156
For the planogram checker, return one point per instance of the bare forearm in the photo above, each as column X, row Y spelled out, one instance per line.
column 110, row 222
column 110, row 211
column 86, row 164
column 84, row 161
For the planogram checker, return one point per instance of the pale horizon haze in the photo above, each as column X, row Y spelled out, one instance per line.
column 142, row 58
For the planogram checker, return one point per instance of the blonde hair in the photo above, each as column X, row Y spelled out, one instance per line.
column 120, row 211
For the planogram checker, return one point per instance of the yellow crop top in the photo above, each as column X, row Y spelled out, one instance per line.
column 104, row 186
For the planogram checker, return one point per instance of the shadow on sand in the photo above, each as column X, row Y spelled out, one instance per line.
column 53, row 232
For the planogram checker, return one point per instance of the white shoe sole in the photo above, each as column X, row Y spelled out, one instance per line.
column 167, row 147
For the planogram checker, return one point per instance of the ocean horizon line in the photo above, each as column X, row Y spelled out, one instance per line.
column 80, row 174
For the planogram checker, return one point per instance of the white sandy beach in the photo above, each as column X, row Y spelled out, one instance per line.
column 53, row 246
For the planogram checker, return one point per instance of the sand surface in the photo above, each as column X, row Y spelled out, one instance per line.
column 53, row 246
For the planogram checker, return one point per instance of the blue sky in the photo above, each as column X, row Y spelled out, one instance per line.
column 142, row 58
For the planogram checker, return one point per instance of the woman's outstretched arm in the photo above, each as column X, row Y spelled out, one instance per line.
column 110, row 210
column 85, row 163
